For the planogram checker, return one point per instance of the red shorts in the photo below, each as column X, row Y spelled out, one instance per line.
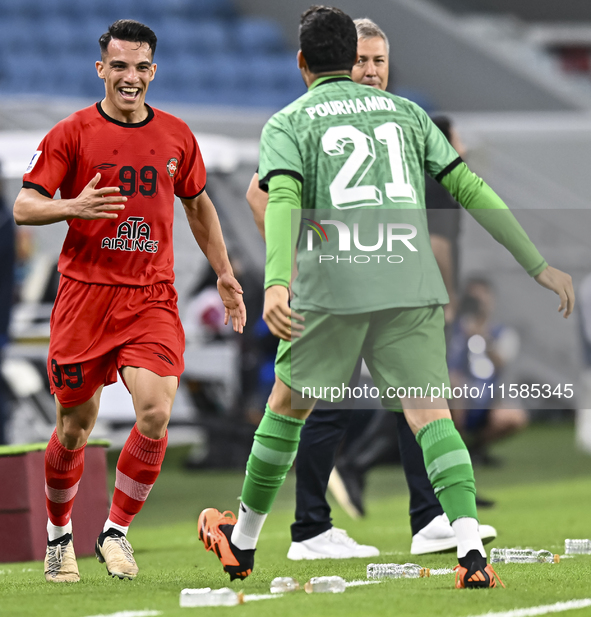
column 98, row 329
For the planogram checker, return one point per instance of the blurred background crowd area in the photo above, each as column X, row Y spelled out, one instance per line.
column 514, row 77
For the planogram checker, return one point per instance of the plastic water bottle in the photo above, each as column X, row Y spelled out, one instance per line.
column 396, row 570
column 325, row 584
column 281, row 584
column 522, row 555
column 211, row 597
column 577, row 547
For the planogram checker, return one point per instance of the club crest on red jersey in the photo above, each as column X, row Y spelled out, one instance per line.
column 172, row 167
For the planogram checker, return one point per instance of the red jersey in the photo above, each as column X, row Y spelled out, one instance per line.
column 150, row 161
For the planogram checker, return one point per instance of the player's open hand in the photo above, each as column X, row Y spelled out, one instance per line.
column 93, row 203
column 560, row 283
column 231, row 295
column 278, row 316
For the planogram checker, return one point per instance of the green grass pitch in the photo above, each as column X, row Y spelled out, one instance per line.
column 543, row 496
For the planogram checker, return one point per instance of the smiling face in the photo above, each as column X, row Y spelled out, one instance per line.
column 372, row 67
column 127, row 70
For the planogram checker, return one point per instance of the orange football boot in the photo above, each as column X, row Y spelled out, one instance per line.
column 473, row 572
column 215, row 531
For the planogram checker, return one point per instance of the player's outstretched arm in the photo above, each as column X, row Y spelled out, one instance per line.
column 493, row 214
column 560, row 283
column 32, row 208
column 278, row 316
column 257, row 200
column 206, row 228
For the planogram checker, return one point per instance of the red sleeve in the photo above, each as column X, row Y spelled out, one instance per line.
column 52, row 161
column 191, row 177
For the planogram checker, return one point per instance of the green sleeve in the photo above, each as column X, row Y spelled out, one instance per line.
column 285, row 195
column 491, row 212
column 279, row 151
column 439, row 153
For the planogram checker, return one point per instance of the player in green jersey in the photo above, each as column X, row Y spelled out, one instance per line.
column 341, row 147
column 313, row 536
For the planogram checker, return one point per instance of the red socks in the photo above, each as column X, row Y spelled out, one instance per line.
column 63, row 470
column 137, row 469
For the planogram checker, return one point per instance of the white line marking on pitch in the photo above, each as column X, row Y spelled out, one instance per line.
column 253, row 597
column 357, row 583
column 559, row 607
column 131, row 614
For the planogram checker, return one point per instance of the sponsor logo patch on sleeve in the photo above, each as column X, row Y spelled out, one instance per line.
column 33, row 161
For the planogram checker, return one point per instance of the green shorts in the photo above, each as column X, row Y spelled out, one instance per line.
column 404, row 349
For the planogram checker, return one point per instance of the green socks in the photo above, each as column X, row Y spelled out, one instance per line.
column 449, row 468
column 273, row 451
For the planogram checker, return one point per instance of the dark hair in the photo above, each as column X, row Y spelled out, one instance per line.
column 328, row 39
column 128, row 30
column 443, row 123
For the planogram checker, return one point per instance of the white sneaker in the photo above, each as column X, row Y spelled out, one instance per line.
column 438, row 536
column 332, row 544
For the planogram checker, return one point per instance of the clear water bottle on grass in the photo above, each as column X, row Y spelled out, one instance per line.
column 522, row 555
column 396, row 570
column 325, row 584
column 282, row 584
column 210, row 597
column 577, row 547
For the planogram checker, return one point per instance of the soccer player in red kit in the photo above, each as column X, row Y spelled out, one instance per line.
column 118, row 165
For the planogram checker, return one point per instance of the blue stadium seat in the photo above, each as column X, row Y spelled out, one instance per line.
column 89, row 30
column 174, row 35
column 73, row 73
column 108, row 10
column 277, row 72
column 202, row 9
column 179, row 77
column 28, row 73
column 10, row 8
column 55, row 8
column 55, row 34
column 205, row 55
column 209, row 37
column 258, row 35
column 17, row 35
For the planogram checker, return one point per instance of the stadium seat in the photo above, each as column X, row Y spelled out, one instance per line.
column 258, row 35
column 275, row 72
column 210, row 37
column 181, row 79
column 202, row 9
column 205, row 53
column 11, row 8
column 89, row 30
column 54, row 8
column 17, row 35
column 108, row 10
column 55, row 34
column 174, row 35
column 76, row 76
column 28, row 73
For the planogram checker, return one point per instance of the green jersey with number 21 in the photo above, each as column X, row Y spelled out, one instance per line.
column 360, row 155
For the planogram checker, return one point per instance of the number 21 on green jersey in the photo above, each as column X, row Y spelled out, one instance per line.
column 346, row 193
